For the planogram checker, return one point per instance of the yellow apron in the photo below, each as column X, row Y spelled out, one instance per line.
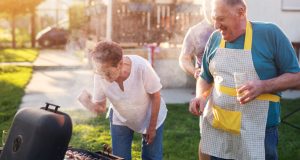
column 231, row 130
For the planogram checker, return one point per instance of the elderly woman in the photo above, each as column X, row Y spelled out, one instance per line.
column 133, row 88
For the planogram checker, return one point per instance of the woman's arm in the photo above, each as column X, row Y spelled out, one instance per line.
column 85, row 99
column 151, row 131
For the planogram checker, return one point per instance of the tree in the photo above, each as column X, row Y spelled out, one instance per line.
column 31, row 6
column 13, row 8
column 77, row 18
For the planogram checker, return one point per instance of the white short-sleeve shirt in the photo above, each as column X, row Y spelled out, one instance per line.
column 132, row 107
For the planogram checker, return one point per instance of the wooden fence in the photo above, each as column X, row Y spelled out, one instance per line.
column 145, row 22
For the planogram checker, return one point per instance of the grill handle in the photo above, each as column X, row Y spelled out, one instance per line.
column 50, row 104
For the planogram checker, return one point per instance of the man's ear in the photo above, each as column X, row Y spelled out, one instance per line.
column 241, row 11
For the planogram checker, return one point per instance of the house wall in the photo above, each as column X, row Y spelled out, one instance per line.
column 167, row 67
column 271, row 11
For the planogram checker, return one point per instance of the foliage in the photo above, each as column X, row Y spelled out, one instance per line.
column 77, row 18
column 5, row 35
column 22, row 36
column 12, row 83
column 18, row 55
column 16, row 7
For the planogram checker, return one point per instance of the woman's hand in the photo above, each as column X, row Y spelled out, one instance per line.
column 151, row 130
column 85, row 98
column 150, row 135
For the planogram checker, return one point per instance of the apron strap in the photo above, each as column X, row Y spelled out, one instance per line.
column 248, row 38
column 232, row 92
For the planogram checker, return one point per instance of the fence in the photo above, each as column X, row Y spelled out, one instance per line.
column 145, row 22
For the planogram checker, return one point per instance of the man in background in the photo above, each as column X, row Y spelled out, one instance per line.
column 193, row 48
column 194, row 43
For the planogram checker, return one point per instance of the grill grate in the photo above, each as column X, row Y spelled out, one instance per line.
column 80, row 154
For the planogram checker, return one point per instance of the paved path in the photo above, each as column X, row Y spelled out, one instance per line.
column 58, row 78
column 60, row 87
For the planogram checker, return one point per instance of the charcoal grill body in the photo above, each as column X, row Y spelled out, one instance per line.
column 38, row 134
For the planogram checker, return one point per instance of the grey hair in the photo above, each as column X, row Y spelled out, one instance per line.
column 235, row 2
column 107, row 52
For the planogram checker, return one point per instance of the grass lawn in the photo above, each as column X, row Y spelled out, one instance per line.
column 12, row 83
column 18, row 55
column 289, row 138
column 181, row 134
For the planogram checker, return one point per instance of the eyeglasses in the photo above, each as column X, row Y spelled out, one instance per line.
column 104, row 71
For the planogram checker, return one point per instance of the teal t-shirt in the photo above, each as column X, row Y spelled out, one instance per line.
column 272, row 55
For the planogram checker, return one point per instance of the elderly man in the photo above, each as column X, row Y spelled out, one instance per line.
column 244, row 127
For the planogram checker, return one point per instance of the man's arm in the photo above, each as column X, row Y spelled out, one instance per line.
column 252, row 89
column 151, row 131
column 197, row 104
column 186, row 63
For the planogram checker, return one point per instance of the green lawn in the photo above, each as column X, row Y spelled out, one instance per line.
column 18, row 55
column 289, row 138
column 12, row 83
column 181, row 134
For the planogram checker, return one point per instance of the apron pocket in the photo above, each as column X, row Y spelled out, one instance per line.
column 226, row 120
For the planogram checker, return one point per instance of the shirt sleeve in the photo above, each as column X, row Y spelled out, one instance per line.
column 98, row 94
column 188, row 46
column 285, row 56
column 209, row 52
column 150, row 79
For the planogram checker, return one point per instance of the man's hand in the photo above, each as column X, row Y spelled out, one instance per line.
column 150, row 135
column 197, row 72
column 197, row 106
column 250, row 91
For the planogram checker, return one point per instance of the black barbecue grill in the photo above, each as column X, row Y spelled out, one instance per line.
column 81, row 154
column 44, row 134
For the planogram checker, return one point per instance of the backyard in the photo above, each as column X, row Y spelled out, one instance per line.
column 181, row 134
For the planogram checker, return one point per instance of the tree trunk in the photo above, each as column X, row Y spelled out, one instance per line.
column 33, row 28
column 13, row 30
